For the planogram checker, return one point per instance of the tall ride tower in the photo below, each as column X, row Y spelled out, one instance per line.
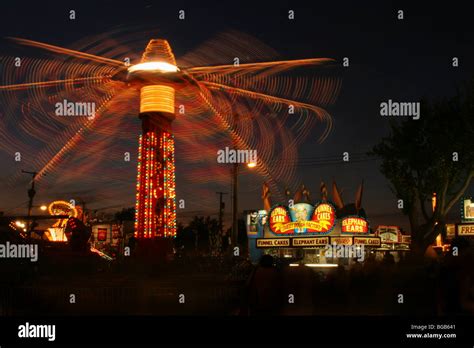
column 156, row 77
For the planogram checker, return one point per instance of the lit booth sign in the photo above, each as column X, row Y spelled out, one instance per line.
column 256, row 222
column 316, row 242
column 354, row 224
column 389, row 234
column 465, row 230
column 392, row 237
column 302, row 242
column 467, row 210
column 106, row 234
column 302, row 218
column 466, row 227
column 307, row 226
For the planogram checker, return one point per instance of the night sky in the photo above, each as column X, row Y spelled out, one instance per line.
column 404, row 60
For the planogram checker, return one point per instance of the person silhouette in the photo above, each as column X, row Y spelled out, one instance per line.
column 264, row 293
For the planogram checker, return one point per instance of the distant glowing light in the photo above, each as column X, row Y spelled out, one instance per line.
column 154, row 66
column 294, row 265
column 20, row 224
column 322, row 265
column 43, row 207
column 252, row 164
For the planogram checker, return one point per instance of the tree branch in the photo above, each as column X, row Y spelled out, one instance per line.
column 460, row 192
column 421, row 198
column 442, row 196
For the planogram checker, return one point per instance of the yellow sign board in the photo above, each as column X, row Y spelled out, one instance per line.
column 341, row 240
column 273, row 242
column 371, row 241
column 465, row 229
column 310, row 241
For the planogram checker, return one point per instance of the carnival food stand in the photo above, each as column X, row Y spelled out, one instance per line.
column 323, row 234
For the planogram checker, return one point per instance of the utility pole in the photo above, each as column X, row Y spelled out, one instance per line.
column 221, row 210
column 235, row 203
column 235, row 189
column 83, row 203
column 31, row 195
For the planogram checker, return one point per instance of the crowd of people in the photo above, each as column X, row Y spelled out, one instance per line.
column 442, row 286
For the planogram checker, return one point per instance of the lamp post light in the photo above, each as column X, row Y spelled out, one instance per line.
column 252, row 165
column 235, row 201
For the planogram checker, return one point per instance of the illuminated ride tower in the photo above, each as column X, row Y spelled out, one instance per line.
column 157, row 77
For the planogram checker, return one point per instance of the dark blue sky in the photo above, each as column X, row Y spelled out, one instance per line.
column 389, row 59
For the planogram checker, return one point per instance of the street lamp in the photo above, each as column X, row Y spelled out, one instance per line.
column 252, row 165
column 235, row 201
